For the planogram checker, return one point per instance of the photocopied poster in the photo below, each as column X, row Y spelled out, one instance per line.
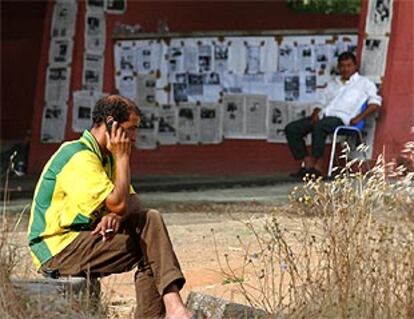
column 148, row 55
column 125, row 56
column 148, row 128
column 116, row 6
column 276, row 86
column 292, row 87
column 379, row 17
column 83, row 104
column 93, row 68
column 126, row 84
column 221, row 57
column 53, row 123
column 233, row 116
column 256, row 109
column 188, row 123
column 253, row 58
column 277, row 119
column 287, row 57
column 146, row 90
column 211, row 128
column 167, row 124
column 60, row 52
column 64, row 18
column 95, row 31
column 374, row 56
column 57, row 84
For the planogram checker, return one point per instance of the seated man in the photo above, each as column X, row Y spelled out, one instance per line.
column 343, row 97
column 87, row 220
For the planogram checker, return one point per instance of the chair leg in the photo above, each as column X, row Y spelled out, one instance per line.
column 333, row 149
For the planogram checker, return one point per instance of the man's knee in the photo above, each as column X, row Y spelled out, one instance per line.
column 291, row 129
column 154, row 215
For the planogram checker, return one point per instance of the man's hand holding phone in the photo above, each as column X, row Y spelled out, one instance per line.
column 118, row 142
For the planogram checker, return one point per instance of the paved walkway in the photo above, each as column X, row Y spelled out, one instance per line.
column 185, row 190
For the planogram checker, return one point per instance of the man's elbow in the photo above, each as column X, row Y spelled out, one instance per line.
column 117, row 208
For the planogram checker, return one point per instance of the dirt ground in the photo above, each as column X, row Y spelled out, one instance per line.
column 191, row 228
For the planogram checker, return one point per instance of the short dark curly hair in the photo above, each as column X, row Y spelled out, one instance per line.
column 117, row 106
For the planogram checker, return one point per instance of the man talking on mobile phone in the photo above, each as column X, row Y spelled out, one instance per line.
column 86, row 219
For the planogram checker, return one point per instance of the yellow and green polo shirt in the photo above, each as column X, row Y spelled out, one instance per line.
column 69, row 196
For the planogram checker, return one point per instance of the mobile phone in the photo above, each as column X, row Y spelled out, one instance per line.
column 109, row 124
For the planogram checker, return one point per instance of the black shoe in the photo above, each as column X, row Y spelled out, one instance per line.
column 313, row 172
column 299, row 174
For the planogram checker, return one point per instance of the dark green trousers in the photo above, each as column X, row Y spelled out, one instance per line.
column 297, row 130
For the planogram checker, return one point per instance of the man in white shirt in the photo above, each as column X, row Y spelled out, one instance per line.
column 340, row 105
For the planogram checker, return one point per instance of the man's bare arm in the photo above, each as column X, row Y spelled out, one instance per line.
column 371, row 108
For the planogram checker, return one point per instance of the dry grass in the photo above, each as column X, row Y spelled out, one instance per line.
column 351, row 257
column 16, row 303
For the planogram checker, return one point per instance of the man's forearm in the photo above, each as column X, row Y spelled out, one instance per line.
column 117, row 201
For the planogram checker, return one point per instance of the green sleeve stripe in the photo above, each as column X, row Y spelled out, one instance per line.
column 44, row 196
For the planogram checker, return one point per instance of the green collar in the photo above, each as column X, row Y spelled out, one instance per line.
column 90, row 141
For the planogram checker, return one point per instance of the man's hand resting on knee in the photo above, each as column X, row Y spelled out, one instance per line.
column 108, row 226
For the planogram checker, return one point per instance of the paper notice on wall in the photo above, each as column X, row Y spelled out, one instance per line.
column 95, row 4
column 287, row 57
column 233, row 116
column 221, row 57
column 148, row 129
column 188, row 123
column 116, row 6
column 191, row 59
column 175, row 60
column 277, row 119
column 83, row 105
column 125, row 56
column 95, row 31
column 53, row 123
column 237, row 51
column 146, row 88
column 277, row 86
column 306, row 57
column 205, row 58
column 167, row 124
column 211, row 128
column 57, row 84
column 60, row 52
column 253, row 58
column 292, row 87
column 93, row 68
column 195, row 84
column 299, row 111
column 307, row 87
column 64, row 18
column 379, row 17
column 322, row 64
column 180, row 90
column 126, row 83
column 256, row 109
column 231, row 82
column 147, row 57
column 374, row 56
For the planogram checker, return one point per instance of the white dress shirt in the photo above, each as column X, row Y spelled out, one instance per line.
column 344, row 100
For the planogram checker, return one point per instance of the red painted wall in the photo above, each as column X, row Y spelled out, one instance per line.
column 21, row 34
column 232, row 157
column 396, row 116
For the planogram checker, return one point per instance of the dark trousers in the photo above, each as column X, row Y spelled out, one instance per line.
column 142, row 242
column 297, row 130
